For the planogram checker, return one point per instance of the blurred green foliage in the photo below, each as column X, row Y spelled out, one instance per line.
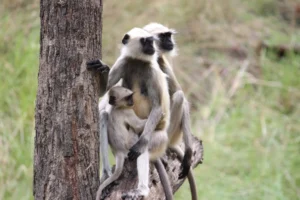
column 249, row 122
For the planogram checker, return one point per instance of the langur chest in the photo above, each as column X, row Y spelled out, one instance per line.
column 142, row 105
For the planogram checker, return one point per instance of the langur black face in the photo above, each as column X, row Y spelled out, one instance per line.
column 112, row 100
column 166, row 42
column 120, row 97
column 147, row 45
column 122, row 103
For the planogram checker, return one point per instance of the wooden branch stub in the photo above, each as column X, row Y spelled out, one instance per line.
column 128, row 179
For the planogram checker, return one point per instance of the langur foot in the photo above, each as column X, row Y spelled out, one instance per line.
column 136, row 194
column 186, row 164
column 105, row 175
column 107, row 190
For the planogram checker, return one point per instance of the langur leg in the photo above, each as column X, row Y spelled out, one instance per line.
column 157, row 147
column 143, row 178
column 176, row 113
column 120, row 157
column 164, row 179
column 190, row 175
column 106, row 169
column 143, row 173
column 187, row 139
column 180, row 123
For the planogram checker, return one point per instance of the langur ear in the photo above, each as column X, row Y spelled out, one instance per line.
column 173, row 31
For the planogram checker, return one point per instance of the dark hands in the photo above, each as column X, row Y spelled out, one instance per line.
column 138, row 148
column 97, row 65
column 133, row 153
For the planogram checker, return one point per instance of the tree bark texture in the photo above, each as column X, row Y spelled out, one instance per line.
column 66, row 152
column 128, row 179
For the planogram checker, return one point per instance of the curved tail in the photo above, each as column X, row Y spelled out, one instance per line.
column 118, row 170
column 190, row 175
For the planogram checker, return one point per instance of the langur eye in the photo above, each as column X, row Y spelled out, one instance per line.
column 150, row 39
column 143, row 40
column 128, row 98
column 125, row 39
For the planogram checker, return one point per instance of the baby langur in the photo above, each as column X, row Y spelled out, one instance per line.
column 180, row 118
column 138, row 69
column 123, row 127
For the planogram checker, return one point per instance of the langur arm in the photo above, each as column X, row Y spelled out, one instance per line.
column 99, row 66
column 103, row 104
column 152, row 121
column 106, row 170
column 142, row 144
column 173, row 84
column 114, row 75
column 187, row 138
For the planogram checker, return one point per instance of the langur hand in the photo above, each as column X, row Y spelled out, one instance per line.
column 97, row 65
column 137, row 149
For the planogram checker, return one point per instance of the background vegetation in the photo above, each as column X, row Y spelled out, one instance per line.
column 245, row 100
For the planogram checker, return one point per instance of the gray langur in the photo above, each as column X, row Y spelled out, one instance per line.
column 123, row 127
column 180, row 118
column 138, row 69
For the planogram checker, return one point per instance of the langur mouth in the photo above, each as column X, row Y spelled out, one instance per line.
column 167, row 47
column 130, row 102
column 149, row 51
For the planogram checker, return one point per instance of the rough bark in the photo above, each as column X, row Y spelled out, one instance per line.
column 66, row 153
column 128, row 179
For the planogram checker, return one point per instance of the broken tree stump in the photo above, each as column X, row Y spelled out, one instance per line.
column 128, row 179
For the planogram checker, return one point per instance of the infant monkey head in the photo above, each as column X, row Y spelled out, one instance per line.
column 165, row 40
column 120, row 97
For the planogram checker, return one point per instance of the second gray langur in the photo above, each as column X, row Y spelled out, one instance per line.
column 122, row 130
column 180, row 118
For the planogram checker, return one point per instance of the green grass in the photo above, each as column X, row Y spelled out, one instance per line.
column 19, row 64
column 252, row 152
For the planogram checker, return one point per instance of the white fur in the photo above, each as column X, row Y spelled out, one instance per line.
column 143, row 173
column 133, row 47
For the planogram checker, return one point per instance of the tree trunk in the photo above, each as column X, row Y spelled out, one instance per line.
column 128, row 179
column 66, row 153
